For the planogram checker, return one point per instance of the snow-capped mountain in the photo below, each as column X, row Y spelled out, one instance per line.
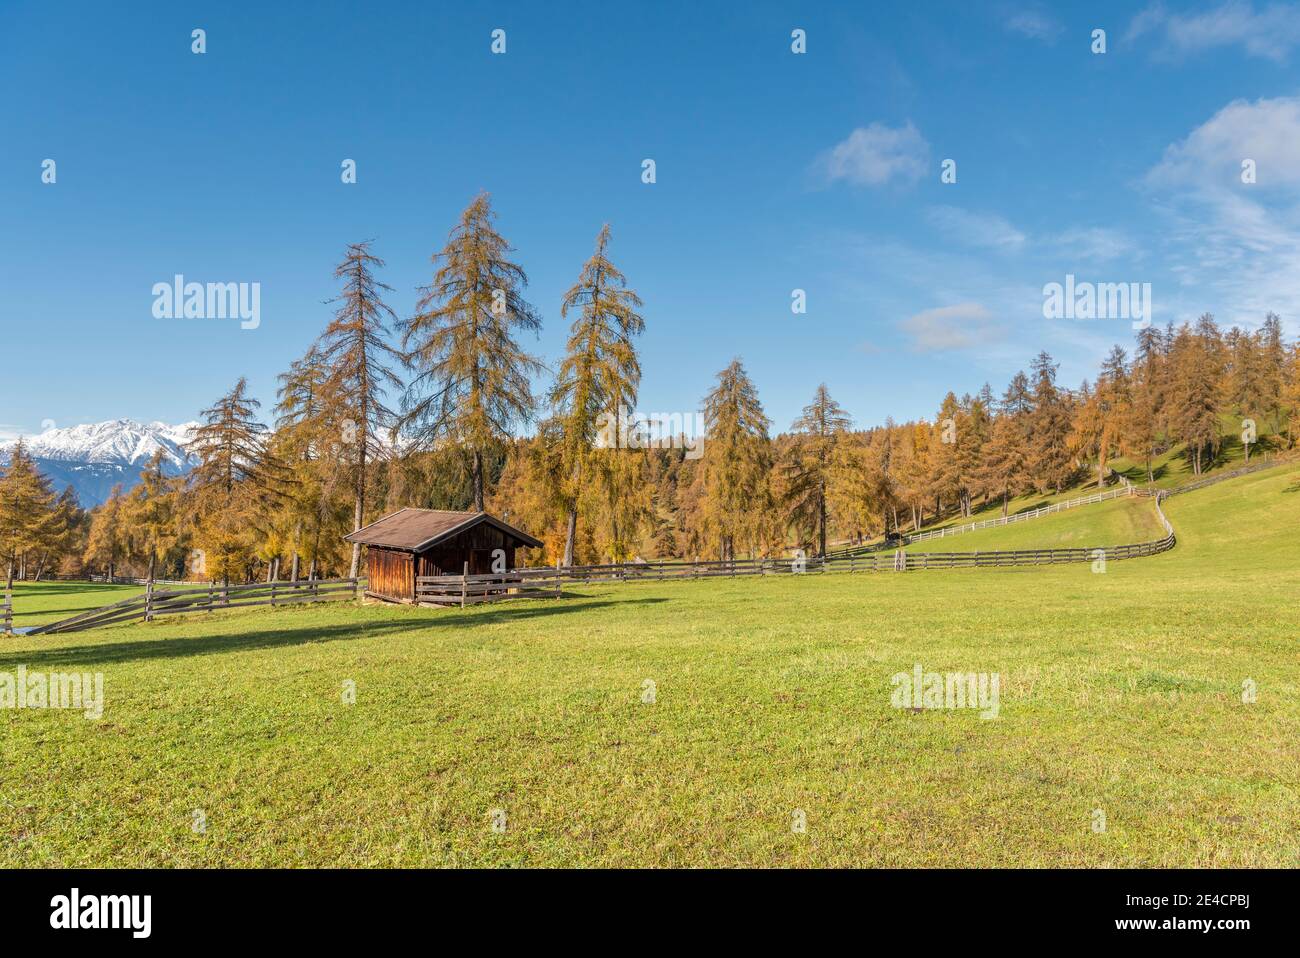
column 94, row 457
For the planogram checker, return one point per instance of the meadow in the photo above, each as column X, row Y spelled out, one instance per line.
column 1110, row 523
column 39, row 603
column 698, row 723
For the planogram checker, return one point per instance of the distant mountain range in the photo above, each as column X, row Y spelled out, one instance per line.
column 93, row 458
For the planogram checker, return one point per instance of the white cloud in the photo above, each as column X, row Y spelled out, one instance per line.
column 990, row 231
column 1236, row 243
column 876, row 154
column 1093, row 243
column 1266, row 131
column 987, row 230
column 952, row 327
column 1034, row 24
column 1270, row 33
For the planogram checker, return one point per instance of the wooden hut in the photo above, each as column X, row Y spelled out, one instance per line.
column 416, row 542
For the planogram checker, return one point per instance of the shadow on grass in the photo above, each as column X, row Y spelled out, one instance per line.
column 288, row 635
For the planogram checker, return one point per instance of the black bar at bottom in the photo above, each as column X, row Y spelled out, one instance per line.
column 943, row 908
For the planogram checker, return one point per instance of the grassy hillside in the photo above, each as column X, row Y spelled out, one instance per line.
column 1170, row 469
column 1115, row 522
column 1120, row 692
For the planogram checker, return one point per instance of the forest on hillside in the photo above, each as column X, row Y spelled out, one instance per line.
column 440, row 409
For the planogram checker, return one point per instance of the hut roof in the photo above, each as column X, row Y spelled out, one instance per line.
column 414, row 530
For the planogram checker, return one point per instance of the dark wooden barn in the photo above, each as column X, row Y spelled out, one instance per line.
column 416, row 542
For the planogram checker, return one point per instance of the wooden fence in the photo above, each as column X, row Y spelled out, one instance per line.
column 545, row 582
column 443, row 590
column 158, row 602
column 7, row 614
column 463, row 590
column 1124, row 489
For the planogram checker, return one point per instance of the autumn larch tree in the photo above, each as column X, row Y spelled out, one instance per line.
column 806, row 471
column 233, row 478
column 597, row 378
column 733, row 493
column 27, row 508
column 1050, row 461
column 108, row 534
column 356, row 350
column 471, row 382
column 1193, row 390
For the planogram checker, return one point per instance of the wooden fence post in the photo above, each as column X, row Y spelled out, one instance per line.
column 464, row 584
column 148, row 600
column 273, row 593
column 8, row 613
column 557, row 578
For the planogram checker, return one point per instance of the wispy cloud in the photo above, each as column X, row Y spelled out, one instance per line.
column 1093, row 244
column 990, row 231
column 875, row 155
column 1239, row 241
column 961, row 326
column 985, row 230
column 1270, row 32
column 1035, row 24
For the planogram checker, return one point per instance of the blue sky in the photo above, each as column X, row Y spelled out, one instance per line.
column 775, row 171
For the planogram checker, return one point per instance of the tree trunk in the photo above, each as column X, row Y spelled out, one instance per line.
column 821, row 519
column 478, row 481
column 297, row 541
column 356, row 546
column 570, row 533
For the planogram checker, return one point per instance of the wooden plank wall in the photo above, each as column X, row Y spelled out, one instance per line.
column 391, row 573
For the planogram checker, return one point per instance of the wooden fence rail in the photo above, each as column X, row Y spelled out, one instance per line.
column 542, row 582
column 156, row 602
column 1124, row 489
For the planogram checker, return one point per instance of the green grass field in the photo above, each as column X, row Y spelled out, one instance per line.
column 38, row 603
column 1170, row 468
column 1121, row 692
column 1114, row 522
